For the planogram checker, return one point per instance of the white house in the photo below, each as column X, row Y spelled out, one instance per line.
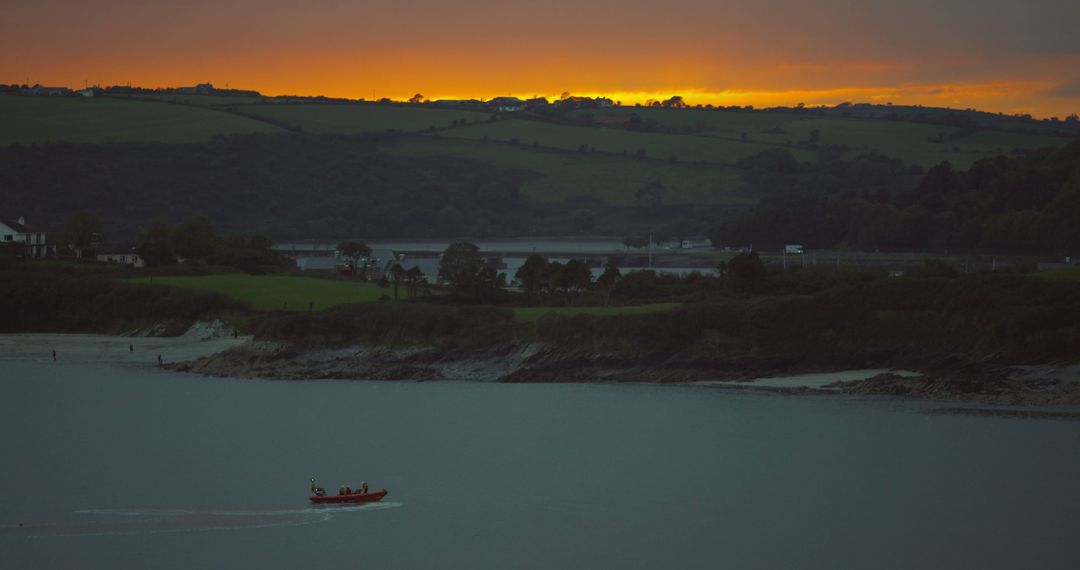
column 321, row 263
column 15, row 234
column 122, row 257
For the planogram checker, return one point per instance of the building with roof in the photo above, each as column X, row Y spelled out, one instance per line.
column 200, row 89
column 42, row 90
column 123, row 256
column 23, row 239
column 319, row 263
column 506, row 104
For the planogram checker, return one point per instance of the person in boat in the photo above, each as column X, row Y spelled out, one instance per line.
column 317, row 491
column 363, row 487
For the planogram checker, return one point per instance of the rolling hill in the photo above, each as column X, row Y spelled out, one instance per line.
column 362, row 118
column 299, row 169
column 37, row 120
column 923, row 144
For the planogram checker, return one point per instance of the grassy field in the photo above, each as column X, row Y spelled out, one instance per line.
column 656, row 145
column 1070, row 274
column 197, row 100
column 533, row 314
column 611, row 179
column 278, row 292
column 28, row 120
column 907, row 141
column 361, row 118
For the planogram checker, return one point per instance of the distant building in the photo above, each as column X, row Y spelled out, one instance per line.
column 17, row 236
column 695, row 242
column 575, row 102
column 91, row 91
column 200, row 89
column 123, row 256
column 537, row 103
column 506, row 104
column 378, row 263
column 41, row 90
column 321, row 263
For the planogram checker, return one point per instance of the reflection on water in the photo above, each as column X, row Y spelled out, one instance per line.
column 135, row 521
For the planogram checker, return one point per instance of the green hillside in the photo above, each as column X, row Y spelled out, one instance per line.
column 689, row 148
column 28, row 120
column 566, row 175
column 908, row 141
column 362, row 118
column 198, row 100
column 277, row 292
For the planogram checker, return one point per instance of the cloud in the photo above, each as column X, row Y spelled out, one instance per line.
column 1068, row 89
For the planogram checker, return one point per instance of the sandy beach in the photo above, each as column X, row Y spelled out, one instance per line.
column 90, row 348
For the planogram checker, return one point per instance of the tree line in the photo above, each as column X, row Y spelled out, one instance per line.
column 197, row 241
column 1028, row 204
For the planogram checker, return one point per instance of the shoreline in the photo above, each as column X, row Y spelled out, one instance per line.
column 197, row 342
column 212, row 350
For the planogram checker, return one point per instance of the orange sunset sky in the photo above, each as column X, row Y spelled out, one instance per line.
column 1013, row 57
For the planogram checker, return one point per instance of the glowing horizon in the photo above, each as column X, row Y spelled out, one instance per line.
column 997, row 56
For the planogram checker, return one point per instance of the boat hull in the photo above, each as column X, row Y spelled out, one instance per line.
column 372, row 497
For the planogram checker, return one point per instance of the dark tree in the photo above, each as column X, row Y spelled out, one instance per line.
column 675, row 102
column 459, row 266
column 413, row 277
column 196, row 239
column 155, row 245
column 81, row 230
column 746, row 272
column 607, row 281
column 353, row 251
column 575, row 276
column 531, row 275
column 397, row 277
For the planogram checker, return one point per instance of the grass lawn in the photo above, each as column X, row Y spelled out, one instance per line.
column 613, row 179
column 533, row 314
column 266, row 292
column 28, row 120
column 1071, row 274
column 361, row 118
column 656, row 145
column 905, row 140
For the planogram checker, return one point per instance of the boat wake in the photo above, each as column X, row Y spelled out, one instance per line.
column 138, row 521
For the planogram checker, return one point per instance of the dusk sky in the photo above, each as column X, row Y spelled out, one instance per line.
column 992, row 55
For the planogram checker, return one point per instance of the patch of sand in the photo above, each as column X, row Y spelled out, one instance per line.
column 113, row 349
column 817, row 381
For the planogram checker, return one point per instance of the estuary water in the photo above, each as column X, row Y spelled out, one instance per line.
column 109, row 466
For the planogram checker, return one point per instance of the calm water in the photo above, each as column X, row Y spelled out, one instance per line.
column 113, row 467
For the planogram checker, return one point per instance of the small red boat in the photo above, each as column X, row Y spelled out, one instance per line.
column 369, row 497
column 319, row 495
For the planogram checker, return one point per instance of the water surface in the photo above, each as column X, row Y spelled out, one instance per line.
column 110, row 466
